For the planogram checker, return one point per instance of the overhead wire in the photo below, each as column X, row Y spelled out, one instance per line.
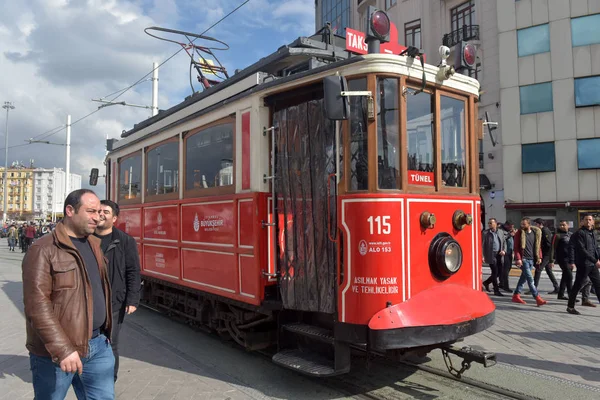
column 125, row 90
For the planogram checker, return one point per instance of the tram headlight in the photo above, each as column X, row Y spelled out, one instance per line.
column 445, row 256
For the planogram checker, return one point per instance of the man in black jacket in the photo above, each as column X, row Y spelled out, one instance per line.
column 562, row 254
column 585, row 250
column 123, row 269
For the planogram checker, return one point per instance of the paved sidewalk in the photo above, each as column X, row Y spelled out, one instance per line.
column 148, row 370
column 547, row 339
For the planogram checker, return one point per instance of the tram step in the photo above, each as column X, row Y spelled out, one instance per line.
column 307, row 363
column 311, row 331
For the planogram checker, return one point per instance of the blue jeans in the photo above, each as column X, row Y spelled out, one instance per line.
column 526, row 275
column 96, row 382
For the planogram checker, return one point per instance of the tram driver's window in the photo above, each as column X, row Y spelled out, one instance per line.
column 454, row 161
column 162, row 169
column 130, row 178
column 419, row 129
column 209, row 157
column 388, row 158
column 359, row 138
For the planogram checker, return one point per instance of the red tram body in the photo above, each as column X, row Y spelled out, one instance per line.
column 368, row 243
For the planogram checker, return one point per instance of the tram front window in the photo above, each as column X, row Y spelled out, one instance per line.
column 419, row 128
column 387, row 133
column 359, row 138
column 454, row 161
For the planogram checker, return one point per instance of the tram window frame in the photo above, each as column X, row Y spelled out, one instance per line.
column 370, row 80
column 400, row 145
column 410, row 85
column 467, row 139
column 210, row 191
column 148, row 198
column 138, row 199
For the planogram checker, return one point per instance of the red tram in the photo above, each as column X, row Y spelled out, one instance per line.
column 316, row 201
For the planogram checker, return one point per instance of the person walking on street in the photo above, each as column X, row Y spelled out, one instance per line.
column 509, row 230
column 123, row 270
column 12, row 237
column 562, row 254
column 528, row 253
column 29, row 235
column 68, row 313
column 546, row 250
column 587, row 260
column 493, row 250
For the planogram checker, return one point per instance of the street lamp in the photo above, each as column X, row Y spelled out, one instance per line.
column 7, row 106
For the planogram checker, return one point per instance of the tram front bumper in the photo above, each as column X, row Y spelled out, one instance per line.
column 441, row 314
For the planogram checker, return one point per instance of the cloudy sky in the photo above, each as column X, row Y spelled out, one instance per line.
column 57, row 55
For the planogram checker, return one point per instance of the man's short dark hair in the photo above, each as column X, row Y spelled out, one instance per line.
column 509, row 223
column 493, row 219
column 539, row 221
column 563, row 220
column 585, row 215
column 114, row 206
column 526, row 219
column 74, row 199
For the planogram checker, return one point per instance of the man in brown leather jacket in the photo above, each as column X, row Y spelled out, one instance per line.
column 67, row 298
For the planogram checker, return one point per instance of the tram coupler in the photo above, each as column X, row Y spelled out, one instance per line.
column 469, row 355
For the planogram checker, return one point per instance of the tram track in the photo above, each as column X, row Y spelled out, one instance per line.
column 376, row 377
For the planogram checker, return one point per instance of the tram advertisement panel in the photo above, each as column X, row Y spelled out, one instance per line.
column 375, row 265
column 130, row 221
column 210, row 222
column 161, row 223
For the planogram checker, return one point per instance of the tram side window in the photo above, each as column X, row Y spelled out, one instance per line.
column 209, row 157
column 359, row 154
column 130, row 178
column 162, row 169
column 388, row 136
column 454, row 161
column 419, row 128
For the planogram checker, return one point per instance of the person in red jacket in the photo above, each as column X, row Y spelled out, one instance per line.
column 528, row 255
column 29, row 235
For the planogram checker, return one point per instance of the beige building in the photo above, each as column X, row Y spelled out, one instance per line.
column 20, row 192
column 427, row 24
column 550, row 96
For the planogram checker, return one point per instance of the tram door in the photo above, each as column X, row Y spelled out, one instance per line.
column 304, row 145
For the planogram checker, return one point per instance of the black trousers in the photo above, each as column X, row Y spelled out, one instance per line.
column 508, row 260
column 538, row 273
column 496, row 269
column 580, row 277
column 566, row 281
column 118, row 317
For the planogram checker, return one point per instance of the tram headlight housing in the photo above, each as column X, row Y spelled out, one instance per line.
column 445, row 256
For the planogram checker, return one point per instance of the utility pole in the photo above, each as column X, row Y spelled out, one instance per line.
column 154, row 89
column 7, row 106
column 68, row 171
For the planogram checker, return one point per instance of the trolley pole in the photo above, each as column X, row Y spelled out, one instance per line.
column 68, row 170
column 7, row 106
column 154, row 89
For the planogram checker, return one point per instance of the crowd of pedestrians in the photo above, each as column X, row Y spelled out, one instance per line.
column 534, row 248
column 22, row 234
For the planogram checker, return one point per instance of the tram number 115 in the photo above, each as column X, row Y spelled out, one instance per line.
column 383, row 224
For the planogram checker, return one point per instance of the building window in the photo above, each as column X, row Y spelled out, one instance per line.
column 587, row 154
column 389, row 3
column 463, row 14
column 538, row 157
column 209, row 157
column 587, row 91
column 585, row 30
column 536, row 98
column 338, row 13
column 162, row 169
column 533, row 40
column 475, row 72
column 412, row 34
column 130, row 177
column 388, row 134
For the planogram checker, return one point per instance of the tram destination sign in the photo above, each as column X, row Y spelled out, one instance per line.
column 355, row 42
